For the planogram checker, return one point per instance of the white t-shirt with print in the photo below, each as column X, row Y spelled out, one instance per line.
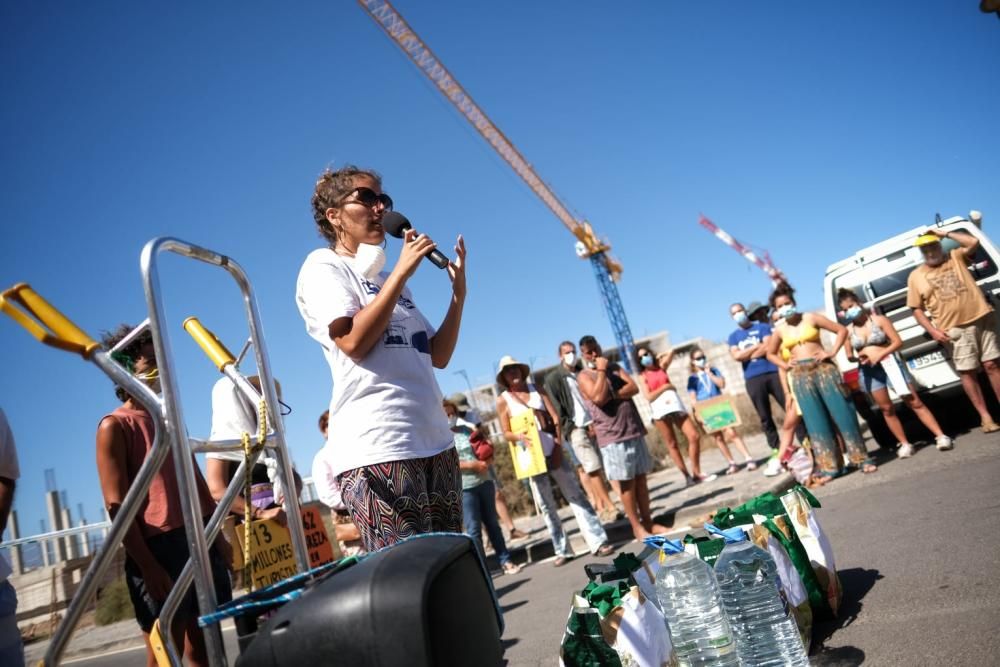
column 387, row 407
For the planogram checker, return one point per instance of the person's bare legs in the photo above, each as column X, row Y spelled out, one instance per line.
column 690, row 432
column 788, row 427
column 150, row 656
column 992, row 368
column 720, row 442
column 923, row 412
column 642, row 500
column 970, row 383
column 670, row 440
column 502, row 512
column 193, row 642
column 735, row 438
column 585, row 485
column 884, row 403
column 626, row 491
column 600, row 490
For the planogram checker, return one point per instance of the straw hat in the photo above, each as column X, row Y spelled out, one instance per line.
column 510, row 361
column 926, row 239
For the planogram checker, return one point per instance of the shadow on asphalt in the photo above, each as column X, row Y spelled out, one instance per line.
column 856, row 583
column 507, row 643
column 667, row 518
column 503, row 590
column 512, row 606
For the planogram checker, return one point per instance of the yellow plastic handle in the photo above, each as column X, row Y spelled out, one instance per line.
column 49, row 325
column 209, row 343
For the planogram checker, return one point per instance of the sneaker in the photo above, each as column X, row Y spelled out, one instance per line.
column 751, row 464
column 905, row 450
column 943, row 442
column 773, row 468
column 705, row 478
column 511, row 568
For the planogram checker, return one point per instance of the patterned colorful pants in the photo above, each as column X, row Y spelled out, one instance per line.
column 818, row 390
column 394, row 500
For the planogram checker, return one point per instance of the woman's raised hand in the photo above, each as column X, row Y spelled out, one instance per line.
column 456, row 269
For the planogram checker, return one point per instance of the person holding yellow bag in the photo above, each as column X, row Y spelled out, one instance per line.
column 520, row 396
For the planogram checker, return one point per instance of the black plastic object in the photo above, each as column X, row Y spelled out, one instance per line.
column 426, row 601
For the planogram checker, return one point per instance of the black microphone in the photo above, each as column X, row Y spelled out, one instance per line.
column 397, row 225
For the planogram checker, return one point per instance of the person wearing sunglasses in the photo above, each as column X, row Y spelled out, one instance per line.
column 390, row 445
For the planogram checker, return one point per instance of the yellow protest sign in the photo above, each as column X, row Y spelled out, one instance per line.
column 529, row 459
column 271, row 552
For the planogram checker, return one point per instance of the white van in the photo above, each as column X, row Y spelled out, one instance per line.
column 878, row 276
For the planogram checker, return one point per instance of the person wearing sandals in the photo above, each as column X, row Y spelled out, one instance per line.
column 816, row 384
column 707, row 382
column 621, row 435
column 478, row 507
column 961, row 319
column 669, row 411
column 873, row 340
column 520, row 395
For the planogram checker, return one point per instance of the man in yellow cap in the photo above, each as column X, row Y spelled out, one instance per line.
column 960, row 317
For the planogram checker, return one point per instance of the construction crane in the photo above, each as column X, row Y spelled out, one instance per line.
column 588, row 246
column 763, row 262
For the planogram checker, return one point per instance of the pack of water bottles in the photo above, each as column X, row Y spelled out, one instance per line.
column 734, row 597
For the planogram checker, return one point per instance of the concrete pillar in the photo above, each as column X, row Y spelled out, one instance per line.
column 15, row 552
column 84, row 540
column 69, row 542
column 55, row 521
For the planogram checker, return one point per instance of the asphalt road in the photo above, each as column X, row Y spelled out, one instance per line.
column 918, row 550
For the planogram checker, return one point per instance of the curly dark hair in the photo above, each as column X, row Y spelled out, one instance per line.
column 126, row 357
column 324, row 421
column 844, row 294
column 781, row 289
column 331, row 187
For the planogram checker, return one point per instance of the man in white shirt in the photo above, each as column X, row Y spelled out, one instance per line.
column 575, row 421
column 11, row 649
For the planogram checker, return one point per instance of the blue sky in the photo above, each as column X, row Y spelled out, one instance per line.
column 806, row 129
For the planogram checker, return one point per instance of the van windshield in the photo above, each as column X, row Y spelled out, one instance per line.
column 982, row 266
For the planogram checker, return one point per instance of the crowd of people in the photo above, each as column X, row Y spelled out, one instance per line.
column 398, row 459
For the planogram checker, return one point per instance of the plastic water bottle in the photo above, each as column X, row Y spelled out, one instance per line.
column 689, row 596
column 766, row 634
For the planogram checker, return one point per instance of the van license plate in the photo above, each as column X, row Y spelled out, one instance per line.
column 925, row 360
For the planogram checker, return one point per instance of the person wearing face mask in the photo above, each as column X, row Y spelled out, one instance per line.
column 816, row 384
column 390, row 445
column 706, row 382
column 478, row 507
column 520, row 396
column 156, row 544
column 576, row 424
column 961, row 318
column 668, row 411
column 748, row 345
column 873, row 341
column 621, row 435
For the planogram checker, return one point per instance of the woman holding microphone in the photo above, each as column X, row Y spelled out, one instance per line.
column 390, row 445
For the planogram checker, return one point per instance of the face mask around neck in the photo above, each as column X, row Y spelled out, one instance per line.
column 369, row 259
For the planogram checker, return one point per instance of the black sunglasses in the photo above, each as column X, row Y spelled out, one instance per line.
column 368, row 197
